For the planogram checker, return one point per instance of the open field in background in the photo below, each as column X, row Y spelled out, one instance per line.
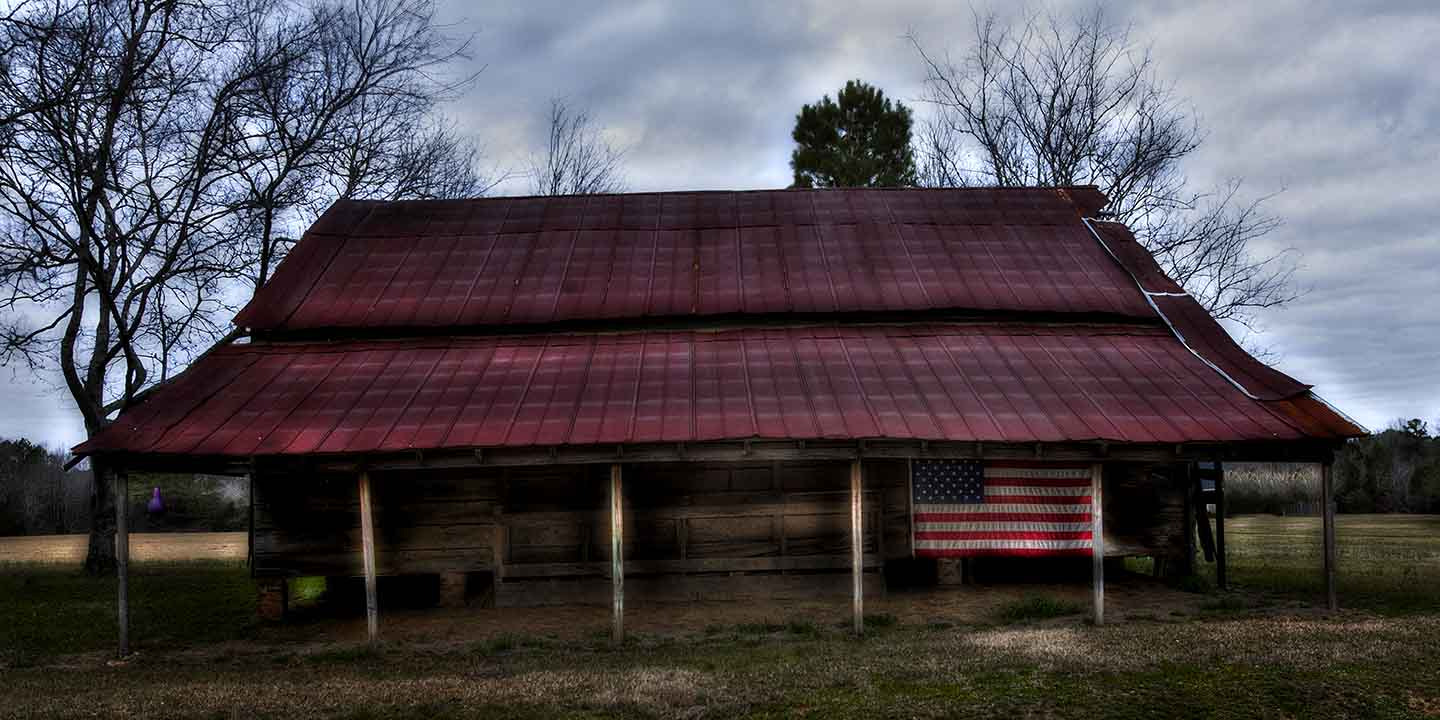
column 1387, row 563
column 1264, row 649
column 144, row 547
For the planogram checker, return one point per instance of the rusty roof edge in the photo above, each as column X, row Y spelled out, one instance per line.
column 1149, row 295
column 1174, row 330
column 1339, row 412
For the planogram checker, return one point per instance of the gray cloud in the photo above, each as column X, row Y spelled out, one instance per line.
column 1332, row 103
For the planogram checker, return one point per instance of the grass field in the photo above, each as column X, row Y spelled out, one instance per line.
column 1262, row 650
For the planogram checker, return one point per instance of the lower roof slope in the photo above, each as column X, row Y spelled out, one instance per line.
column 935, row 381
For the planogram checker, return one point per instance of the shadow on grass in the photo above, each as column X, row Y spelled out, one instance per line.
column 49, row 610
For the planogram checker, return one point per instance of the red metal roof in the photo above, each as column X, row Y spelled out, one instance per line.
column 494, row 261
column 981, row 381
column 1192, row 323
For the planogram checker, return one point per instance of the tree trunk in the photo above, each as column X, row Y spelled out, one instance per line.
column 100, row 557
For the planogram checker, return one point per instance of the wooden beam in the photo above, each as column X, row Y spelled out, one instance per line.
column 1097, row 535
column 1220, row 565
column 1327, row 514
column 1202, row 518
column 367, row 549
column 617, row 555
column 857, row 544
column 741, row 450
column 122, row 558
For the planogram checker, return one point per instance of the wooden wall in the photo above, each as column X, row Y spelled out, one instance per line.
column 543, row 532
column 424, row 523
column 1145, row 510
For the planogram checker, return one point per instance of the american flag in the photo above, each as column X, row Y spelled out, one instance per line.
column 969, row 507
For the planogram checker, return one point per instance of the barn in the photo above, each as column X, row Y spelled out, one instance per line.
column 665, row 397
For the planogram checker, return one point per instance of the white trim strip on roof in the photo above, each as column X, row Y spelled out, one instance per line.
column 1150, row 299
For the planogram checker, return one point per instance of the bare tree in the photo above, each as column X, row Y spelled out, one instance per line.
column 578, row 159
column 1056, row 101
column 151, row 153
column 352, row 112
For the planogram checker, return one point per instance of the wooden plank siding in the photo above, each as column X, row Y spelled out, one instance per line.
column 534, row 526
column 424, row 523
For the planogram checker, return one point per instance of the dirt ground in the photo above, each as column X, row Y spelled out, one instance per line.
column 144, row 547
column 1130, row 598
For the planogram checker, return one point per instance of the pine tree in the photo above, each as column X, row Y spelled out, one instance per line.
column 860, row 139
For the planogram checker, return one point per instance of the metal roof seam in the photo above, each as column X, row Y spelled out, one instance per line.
column 635, row 398
column 1145, row 397
column 255, row 391
column 411, row 400
column 940, row 341
column 1080, row 388
column 900, row 233
column 301, row 401
column 870, row 350
column 859, row 385
column 480, row 271
column 565, row 268
column 340, row 245
column 940, row 382
column 1045, row 379
column 987, row 233
column 580, row 395
column 525, row 392
column 905, row 368
column 195, row 402
column 824, row 254
column 1185, row 389
column 998, row 353
column 1162, row 315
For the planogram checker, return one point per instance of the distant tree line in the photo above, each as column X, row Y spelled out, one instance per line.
column 39, row 497
column 1396, row 470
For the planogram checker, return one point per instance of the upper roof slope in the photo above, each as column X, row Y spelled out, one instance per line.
column 535, row 260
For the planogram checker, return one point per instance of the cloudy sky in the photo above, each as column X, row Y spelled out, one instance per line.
column 1333, row 106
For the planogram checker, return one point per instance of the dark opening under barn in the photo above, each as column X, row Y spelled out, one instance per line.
column 628, row 399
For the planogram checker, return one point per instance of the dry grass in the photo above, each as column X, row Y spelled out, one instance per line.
column 1263, row 650
column 144, row 547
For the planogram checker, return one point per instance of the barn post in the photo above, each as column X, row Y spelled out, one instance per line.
column 1097, row 540
column 857, row 545
column 367, row 549
column 1221, row 569
column 1327, row 514
column 122, row 557
column 617, row 556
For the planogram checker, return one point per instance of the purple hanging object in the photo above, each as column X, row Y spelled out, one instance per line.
column 157, row 503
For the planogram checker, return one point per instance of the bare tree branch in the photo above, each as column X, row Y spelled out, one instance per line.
column 1052, row 101
column 155, row 157
column 577, row 159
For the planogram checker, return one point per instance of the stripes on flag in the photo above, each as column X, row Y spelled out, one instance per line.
column 968, row 508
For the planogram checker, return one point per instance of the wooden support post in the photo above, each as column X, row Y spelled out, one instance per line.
column 1188, row 493
column 1220, row 574
column 1327, row 514
column 857, row 544
column 1097, row 538
column 909, row 503
column 617, row 556
column 367, row 548
column 122, row 558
